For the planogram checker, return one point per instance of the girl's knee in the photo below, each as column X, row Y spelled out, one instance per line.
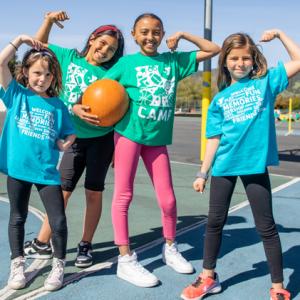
column 168, row 206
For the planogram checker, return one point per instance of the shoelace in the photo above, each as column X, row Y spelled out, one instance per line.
column 139, row 267
column 18, row 267
column 57, row 270
column 175, row 252
column 198, row 282
column 280, row 297
column 83, row 250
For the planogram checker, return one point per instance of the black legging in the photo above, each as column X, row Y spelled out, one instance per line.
column 52, row 197
column 258, row 190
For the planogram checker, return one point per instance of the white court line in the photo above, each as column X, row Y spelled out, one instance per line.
column 35, row 266
column 198, row 165
column 95, row 268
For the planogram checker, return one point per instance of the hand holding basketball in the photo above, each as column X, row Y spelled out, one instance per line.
column 107, row 99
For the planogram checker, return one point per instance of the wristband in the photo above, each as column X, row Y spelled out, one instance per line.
column 13, row 45
column 202, row 175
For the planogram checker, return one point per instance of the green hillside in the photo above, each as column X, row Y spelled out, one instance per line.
column 189, row 92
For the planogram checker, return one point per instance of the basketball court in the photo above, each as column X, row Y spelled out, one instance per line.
column 242, row 266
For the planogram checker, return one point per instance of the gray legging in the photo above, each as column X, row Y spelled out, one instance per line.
column 258, row 190
column 51, row 195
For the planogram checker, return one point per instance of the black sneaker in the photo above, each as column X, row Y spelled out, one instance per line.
column 84, row 255
column 38, row 250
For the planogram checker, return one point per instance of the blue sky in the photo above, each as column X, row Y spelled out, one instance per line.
column 229, row 16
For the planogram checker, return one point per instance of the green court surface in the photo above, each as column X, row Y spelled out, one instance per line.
column 144, row 214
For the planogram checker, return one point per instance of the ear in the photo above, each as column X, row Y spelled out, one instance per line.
column 25, row 72
column 91, row 40
column 133, row 34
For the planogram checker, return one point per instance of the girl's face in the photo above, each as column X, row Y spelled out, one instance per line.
column 39, row 77
column 102, row 49
column 148, row 34
column 239, row 63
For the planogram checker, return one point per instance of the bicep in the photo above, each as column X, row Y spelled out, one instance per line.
column 292, row 68
column 202, row 55
column 5, row 76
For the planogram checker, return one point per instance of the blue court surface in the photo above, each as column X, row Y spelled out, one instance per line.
column 242, row 265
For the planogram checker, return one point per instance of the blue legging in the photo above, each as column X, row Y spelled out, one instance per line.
column 258, row 190
column 51, row 195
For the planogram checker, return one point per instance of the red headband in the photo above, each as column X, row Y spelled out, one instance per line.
column 105, row 28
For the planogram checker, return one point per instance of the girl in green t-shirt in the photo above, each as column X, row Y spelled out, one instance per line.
column 150, row 79
column 93, row 148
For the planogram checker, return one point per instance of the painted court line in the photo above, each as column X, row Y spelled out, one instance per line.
column 35, row 266
column 97, row 267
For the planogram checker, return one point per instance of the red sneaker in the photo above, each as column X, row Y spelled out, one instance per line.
column 201, row 287
column 280, row 294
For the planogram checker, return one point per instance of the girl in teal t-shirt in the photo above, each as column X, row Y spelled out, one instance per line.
column 37, row 126
column 93, row 148
column 242, row 142
column 150, row 79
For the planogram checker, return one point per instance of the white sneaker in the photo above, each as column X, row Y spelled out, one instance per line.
column 175, row 260
column 132, row 271
column 17, row 278
column 55, row 279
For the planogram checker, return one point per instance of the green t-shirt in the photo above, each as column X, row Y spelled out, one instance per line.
column 151, row 82
column 77, row 75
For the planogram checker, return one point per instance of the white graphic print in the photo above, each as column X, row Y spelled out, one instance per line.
column 242, row 105
column 77, row 80
column 156, row 93
column 37, row 123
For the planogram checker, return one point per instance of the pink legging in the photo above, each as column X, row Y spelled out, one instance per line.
column 156, row 160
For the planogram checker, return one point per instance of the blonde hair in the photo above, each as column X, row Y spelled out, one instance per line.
column 33, row 55
column 235, row 41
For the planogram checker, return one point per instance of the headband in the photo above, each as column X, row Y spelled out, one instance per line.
column 105, row 28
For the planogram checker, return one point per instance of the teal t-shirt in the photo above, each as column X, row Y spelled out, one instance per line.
column 32, row 126
column 151, row 83
column 243, row 114
column 77, row 75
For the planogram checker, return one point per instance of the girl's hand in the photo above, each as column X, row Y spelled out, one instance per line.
column 26, row 39
column 64, row 145
column 57, row 17
column 269, row 35
column 199, row 185
column 172, row 41
column 82, row 111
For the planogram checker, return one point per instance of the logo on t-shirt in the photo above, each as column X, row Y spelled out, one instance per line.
column 37, row 123
column 157, row 93
column 241, row 105
column 77, row 80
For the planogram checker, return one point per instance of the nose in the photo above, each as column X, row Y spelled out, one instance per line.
column 105, row 49
column 150, row 36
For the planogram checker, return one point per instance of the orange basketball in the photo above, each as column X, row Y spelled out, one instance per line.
column 107, row 99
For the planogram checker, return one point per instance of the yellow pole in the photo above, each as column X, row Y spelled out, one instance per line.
column 206, row 77
column 290, row 115
column 206, row 97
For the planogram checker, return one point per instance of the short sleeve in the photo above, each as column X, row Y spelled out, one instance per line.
column 60, row 52
column 8, row 95
column 214, row 120
column 278, row 79
column 67, row 127
column 187, row 63
column 116, row 71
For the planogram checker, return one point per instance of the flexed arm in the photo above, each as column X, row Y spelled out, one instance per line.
column 50, row 18
column 207, row 48
column 8, row 53
column 293, row 66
